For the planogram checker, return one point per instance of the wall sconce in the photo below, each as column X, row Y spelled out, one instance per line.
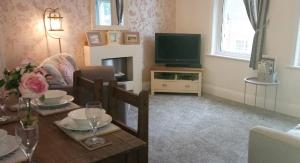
column 55, row 23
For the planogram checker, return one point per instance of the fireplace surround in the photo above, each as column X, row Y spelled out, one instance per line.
column 126, row 59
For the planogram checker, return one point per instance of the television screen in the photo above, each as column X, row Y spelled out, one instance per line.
column 177, row 49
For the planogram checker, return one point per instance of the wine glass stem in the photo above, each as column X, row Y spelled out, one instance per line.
column 29, row 157
column 94, row 131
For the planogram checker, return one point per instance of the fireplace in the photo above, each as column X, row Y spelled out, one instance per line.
column 122, row 67
column 126, row 59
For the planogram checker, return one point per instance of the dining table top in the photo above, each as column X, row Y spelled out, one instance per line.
column 55, row 146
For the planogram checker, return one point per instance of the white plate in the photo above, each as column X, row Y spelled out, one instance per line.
column 65, row 100
column 9, row 145
column 70, row 124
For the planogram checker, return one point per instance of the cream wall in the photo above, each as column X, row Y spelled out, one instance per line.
column 224, row 77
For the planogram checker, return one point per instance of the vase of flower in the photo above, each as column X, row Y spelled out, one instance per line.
column 9, row 85
column 26, row 114
column 32, row 86
column 27, row 83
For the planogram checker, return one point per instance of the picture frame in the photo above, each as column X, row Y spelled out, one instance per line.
column 95, row 38
column 131, row 38
column 114, row 37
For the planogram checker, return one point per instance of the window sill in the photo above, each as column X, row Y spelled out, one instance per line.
column 293, row 67
column 228, row 57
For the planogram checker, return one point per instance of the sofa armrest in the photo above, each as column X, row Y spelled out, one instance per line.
column 267, row 145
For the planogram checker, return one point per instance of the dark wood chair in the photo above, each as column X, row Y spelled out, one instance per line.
column 85, row 89
column 91, row 84
column 88, row 84
column 119, row 96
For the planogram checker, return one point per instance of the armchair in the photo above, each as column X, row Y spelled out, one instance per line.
column 267, row 145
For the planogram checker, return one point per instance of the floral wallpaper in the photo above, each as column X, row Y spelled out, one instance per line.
column 2, row 64
column 149, row 17
column 24, row 38
column 23, row 29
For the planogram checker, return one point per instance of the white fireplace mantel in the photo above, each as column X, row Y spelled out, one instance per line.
column 94, row 55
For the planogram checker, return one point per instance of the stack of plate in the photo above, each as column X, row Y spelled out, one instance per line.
column 53, row 99
column 64, row 101
column 8, row 143
column 77, row 121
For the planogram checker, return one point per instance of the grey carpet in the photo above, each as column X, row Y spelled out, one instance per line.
column 190, row 129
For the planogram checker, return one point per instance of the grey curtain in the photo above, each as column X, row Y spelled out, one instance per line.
column 120, row 8
column 257, row 13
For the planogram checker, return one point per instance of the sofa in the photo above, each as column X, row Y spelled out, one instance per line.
column 268, row 145
column 59, row 71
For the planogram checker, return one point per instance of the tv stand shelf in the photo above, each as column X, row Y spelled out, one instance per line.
column 176, row 80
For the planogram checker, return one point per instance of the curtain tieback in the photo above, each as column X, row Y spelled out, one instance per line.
column 262, row 27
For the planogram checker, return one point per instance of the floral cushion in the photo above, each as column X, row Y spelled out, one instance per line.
column 64, row 65
column 66, row 69
column 54, row 76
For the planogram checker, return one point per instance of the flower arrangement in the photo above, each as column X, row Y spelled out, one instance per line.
column 33, row 85
column 27, row 81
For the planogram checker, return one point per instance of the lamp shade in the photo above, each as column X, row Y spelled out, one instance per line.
column 55, row 20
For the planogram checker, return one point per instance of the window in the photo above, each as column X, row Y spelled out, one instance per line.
column 104, row 12
column 233, row 30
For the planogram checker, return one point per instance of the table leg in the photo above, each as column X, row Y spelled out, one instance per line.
column 275, row 99
column 265, row 96
column 255, row 95
column 245, row 92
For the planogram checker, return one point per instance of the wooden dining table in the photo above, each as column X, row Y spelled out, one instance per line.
column 55, row 146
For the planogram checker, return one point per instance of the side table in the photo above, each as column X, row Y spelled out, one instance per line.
column 256, row 82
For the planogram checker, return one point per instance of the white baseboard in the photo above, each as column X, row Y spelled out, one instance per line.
column 282, row 106
column 223, row 92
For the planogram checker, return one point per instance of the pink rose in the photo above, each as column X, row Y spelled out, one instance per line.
column 33, row 85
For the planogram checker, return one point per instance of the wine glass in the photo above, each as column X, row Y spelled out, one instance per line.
column 28, row 138
column 94, row 113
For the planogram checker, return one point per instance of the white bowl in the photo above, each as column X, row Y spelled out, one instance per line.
column 53, row 96
column 3, row 134
column 79, row 115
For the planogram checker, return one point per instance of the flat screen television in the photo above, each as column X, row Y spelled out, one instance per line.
column 173, row 49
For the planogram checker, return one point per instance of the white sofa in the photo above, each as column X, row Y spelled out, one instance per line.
column 267, row 145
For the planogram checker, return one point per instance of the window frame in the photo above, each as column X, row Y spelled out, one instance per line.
column 218, row 8
column 296, row 61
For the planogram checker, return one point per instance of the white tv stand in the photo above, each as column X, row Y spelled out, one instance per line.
column 176, row 80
